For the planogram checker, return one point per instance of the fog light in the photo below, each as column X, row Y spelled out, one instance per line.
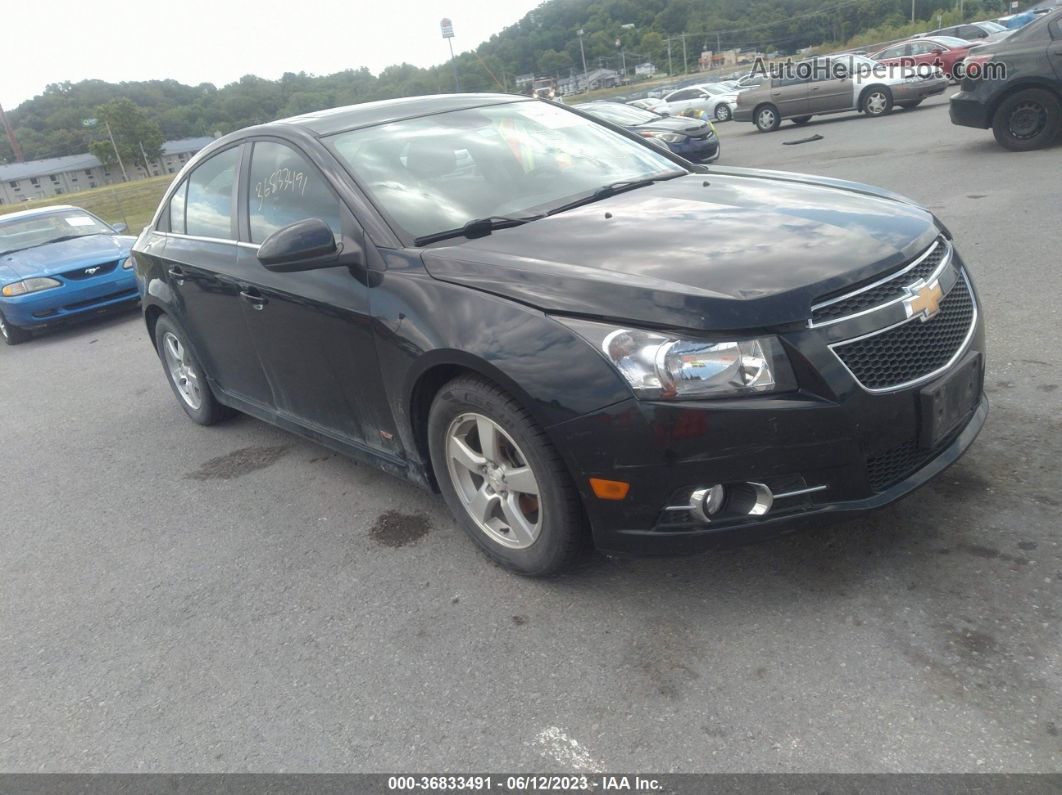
column 706, row 502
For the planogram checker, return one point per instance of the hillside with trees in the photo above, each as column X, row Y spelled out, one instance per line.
column 545, row 42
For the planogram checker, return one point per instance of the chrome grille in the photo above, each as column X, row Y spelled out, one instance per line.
column 913, row 350
column 883, row 291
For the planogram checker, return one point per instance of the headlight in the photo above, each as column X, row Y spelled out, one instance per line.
column 666, row 137
column 129, row 263
column 30, row 286
column 659, row 365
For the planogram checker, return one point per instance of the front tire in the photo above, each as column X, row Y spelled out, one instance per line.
column 504, row 482
column 767, row 118
column 1027, row 120
column 13, row 335
column 877, row 101
column 185, row 375
column 722, row 112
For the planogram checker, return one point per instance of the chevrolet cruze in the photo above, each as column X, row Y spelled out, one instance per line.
column 570, row 333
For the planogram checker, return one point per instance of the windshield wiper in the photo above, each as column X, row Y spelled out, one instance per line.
column 616, row 187
column 49, row 242
column 477, row 227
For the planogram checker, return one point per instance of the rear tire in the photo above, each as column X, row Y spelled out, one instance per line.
column 185, row 375
column 13, row 335
column 877, row 101
column 722, row 112
column 800, row 121
column 767, row 118
column 909, row 105
column 1027, row 120
column 512, row 495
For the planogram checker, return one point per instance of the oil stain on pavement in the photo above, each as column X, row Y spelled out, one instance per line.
column 238, row 463
column 397, row 529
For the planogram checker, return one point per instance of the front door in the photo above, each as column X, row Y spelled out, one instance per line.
column 828, row 93
column 203, row 272
column 312, row 328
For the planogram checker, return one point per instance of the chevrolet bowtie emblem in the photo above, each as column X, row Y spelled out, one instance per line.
column 924, row 300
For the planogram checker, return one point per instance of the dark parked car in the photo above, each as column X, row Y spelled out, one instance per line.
column 569, row 332
column 1023, row 103
column 694, row 139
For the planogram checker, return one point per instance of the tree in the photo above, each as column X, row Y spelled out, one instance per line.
column 554, row 63
column 135, row 134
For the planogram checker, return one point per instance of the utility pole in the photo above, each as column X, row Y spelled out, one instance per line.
column 125, row 177
column 147, row 163
column 582, row 54
column 11, row 139
column 669, row 71
column 684, row 53
column 448, row 34
column 912, row 11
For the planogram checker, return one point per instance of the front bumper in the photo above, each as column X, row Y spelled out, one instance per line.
column 698, row 150
column 863, row 446
column 72, row 299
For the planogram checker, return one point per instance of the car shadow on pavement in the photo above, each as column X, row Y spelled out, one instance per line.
column 81, row 327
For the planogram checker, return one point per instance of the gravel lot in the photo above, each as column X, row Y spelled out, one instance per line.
column 178, row 598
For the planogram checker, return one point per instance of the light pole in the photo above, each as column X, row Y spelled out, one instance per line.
column 582, row 54
column 448, row 34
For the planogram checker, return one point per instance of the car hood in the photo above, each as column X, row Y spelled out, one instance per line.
column 63, row 256
column 731, row 249
column 678, row 124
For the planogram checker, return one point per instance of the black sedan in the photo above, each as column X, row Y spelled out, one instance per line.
column 693, row 139
column 570, row 333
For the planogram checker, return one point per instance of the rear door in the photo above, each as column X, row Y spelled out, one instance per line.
column 203, row 272
column 312, row 329
column 829, row 91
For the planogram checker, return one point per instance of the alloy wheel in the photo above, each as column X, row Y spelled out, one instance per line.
column 1027, row 120
column 766, row 119
column 181, row 370
column 3, row 327
column 722, row 112
column 494, row 481
column 876, row 103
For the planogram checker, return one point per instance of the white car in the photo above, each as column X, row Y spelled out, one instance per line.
column 716, row 100
column 652, row 104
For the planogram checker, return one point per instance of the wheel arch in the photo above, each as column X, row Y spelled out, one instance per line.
column 1021, row 84
column 866, row 90
column 434, row 372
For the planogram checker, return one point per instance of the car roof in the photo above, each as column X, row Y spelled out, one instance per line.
column 368, row 114
column 50, row 210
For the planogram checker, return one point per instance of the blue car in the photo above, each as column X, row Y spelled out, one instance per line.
column 57, row 263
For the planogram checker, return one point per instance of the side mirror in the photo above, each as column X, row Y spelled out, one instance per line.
column 120, row 228
column 301, row 246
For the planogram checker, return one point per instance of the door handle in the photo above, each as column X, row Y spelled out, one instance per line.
column 254, row 298
column 177, row 275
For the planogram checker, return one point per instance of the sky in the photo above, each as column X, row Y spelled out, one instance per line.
column 219, row 41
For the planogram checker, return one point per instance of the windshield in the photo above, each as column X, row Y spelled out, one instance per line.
column 716, row 88
column 42, row 229
column 994, row 27
column 618, row 114
column 438, row 172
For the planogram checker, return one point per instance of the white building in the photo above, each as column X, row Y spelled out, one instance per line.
column 54, row 176
column 644, row 70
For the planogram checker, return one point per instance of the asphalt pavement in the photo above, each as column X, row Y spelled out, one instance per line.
column 179, row 598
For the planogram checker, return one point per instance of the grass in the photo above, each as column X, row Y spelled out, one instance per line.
column 132, row 203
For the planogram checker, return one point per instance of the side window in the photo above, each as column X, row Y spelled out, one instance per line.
column 177, row 209
column 285, row 187
column 209, row 202
column 1056, row 29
